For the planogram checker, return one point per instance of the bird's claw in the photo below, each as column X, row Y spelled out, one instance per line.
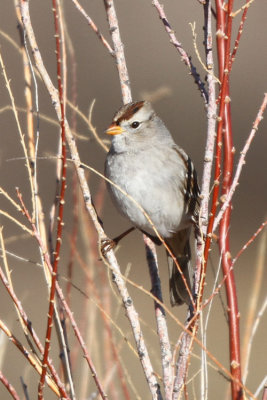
column 106, row 245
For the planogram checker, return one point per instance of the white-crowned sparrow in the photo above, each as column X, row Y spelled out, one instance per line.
column 145, row 162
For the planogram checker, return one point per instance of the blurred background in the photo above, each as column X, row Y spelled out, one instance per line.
column 157, row 73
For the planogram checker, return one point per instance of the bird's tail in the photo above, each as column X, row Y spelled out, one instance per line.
column 180, row 247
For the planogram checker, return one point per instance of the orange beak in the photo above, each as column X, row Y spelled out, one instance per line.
column 114, row 130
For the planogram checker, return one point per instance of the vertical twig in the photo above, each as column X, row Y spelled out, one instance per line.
column 61, row 203
column 201, row 264
column 199, row 275
column 211, row 121
column 32, row 105
column 119, row 52
column 224, row 238
column 225, row 136
column 162, row 329
column 182, row 365
column 22, row 141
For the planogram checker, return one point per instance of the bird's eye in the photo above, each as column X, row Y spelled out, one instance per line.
column 135, row 124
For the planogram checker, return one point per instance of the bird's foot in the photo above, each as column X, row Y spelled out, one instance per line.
column 106, row 245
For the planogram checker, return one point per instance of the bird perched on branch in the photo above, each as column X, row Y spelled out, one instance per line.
column 155, row 186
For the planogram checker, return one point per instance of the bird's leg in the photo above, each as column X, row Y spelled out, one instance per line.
column 108, row 244
column 154, row 239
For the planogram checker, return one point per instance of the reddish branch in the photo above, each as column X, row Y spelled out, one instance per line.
column 239, row 34
column 63, row 301
column 223, row 184
column 31, row 359
column 224, row 141
column 9, row 387
column 61, row 206
column 224, row 238
column 33, row 334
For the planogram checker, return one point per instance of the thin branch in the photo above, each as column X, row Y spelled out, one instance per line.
column 185, row 58
column 94, row 27
column 61, row 203
column 208, row 67
column 9, row 387
column 119, row 52
column 32, row 332
column 234, row 260
column 162, row 328
column 241, row 163
column 201, row 263
column 225, row 126
column 244, row 7
column 93, row 129
column 23, row 227
column 239, row 34
column 200, row 271
column 32, row 360
column 251, row 240
column 186, row 343
column 22, row 141
column 64, row 303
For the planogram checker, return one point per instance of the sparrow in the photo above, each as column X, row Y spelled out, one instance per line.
column 161, row 182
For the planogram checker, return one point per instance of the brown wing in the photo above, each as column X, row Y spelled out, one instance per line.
column 191, row 188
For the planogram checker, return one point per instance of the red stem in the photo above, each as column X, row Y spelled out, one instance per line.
column 9, row 387
column 224, row 137
column 224, row 23
column 239, row 34
column 33, row 334
column 224, row 244
column 61, row 207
